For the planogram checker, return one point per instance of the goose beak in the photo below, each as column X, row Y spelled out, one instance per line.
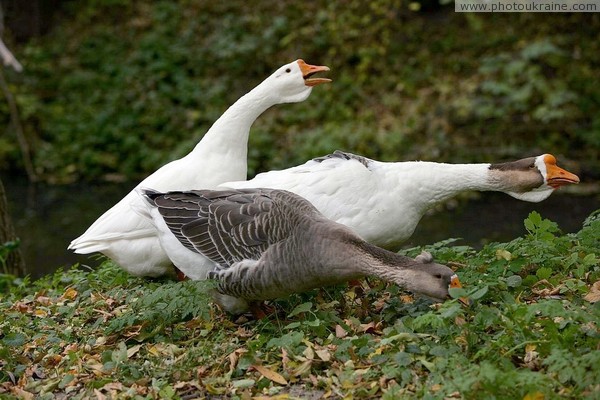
column 455, row 283
column 309, row 70
column 556, row 176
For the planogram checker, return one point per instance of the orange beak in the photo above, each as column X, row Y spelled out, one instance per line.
column 556, row 176
column 309, row 70
column 455, row 283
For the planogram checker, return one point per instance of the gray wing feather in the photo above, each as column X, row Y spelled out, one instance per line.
column 177, row 209
column 228, row 226
column 345, row 156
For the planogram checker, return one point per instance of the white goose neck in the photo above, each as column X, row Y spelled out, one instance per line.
column 231, row 130
column 432, row 182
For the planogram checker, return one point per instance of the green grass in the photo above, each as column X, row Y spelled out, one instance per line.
column 531, row 332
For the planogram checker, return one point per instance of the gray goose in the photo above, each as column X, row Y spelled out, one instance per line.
column 267, row 243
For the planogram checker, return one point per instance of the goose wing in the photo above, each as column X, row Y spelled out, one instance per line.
column 342, row 155
column 226, row 226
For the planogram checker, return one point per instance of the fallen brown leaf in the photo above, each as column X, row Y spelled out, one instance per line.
column 406, row 298
column 340, row 332
column 113, row 386
column 40, row 313
column 99, row 395
column 69, row 294
column 308, row 353
column 234, row 357
column 270, row 374
column 22, row 394
column 371, row 327
column 551, row 290
column 52, row 360
column 594, row 295
column 44, row 300
column 132, row 350
column 22, row 307
column 323, row 354
column 303, row 369
column 285, row 359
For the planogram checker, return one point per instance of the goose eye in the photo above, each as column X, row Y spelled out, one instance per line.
column 437, row 276
column 532, row 166
column 288, row 70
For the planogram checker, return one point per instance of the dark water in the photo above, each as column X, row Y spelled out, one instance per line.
column 47, row 218
column 496, row 217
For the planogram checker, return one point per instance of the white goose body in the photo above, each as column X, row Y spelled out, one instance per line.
column 267, row 243
column 129, row 238
column 384, row 201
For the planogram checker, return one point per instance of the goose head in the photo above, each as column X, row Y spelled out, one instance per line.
column 293, row 82
column 425, row 277
column 532, row 179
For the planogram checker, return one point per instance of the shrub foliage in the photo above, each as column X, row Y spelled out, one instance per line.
column 120, row 87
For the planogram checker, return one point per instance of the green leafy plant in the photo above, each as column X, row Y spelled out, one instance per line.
column 161, row 306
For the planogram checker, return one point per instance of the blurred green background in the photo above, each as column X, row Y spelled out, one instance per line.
column 113, row 89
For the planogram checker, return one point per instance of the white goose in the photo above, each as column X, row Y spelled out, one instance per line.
column 384, row 201
column 381, row 201
column 267, row 244
column 130, row 239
